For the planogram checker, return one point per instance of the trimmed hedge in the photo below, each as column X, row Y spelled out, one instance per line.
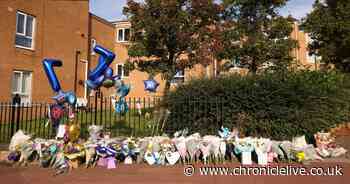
column 279, row 106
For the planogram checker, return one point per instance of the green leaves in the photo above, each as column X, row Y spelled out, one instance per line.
column 329, row 28
column 274, row 105
column 165, row 31
column 264, row 36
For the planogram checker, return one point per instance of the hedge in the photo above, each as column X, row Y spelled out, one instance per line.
column 278, row 106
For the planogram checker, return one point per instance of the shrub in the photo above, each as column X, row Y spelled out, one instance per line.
column 279, row 106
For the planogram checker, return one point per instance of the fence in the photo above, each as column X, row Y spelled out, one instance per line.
column 140, row 120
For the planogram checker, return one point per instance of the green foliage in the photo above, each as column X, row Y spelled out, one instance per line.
column 163, row 31
column 276, row 105
column 329, row 27
column 256, row 35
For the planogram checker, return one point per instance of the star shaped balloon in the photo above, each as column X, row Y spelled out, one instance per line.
column 151, row 85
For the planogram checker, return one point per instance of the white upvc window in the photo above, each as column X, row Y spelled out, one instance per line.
column 179, row 76
column 310, row 58
column 93, row 45
column 25, row 29
column 121, row 71
column 22, row 85
column 123, row 34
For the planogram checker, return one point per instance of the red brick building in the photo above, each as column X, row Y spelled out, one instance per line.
column 32, row 30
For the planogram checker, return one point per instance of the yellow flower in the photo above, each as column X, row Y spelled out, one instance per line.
column 300, row 156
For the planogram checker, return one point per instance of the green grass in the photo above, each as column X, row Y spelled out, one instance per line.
column 129, row 124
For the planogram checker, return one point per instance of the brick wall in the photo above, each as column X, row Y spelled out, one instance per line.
column 61, row 29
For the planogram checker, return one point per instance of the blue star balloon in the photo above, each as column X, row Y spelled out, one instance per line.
column 151, row 85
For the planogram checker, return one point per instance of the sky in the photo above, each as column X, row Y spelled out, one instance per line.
column 112, row 10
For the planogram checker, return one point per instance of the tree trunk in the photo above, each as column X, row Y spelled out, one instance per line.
column 253, row 68
column 163, row 109
column 166, row 87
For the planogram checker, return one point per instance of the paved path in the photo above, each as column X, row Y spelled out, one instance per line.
column 125, row 174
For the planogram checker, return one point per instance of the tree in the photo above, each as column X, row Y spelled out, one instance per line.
column 168, row 35
column 256, row 34
column 329, row 28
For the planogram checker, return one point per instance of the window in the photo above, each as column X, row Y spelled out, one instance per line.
column 123, row 35
column 93, row 45
column 207, row 71
column 22, row 85
column 311, row 58
column 179, row 76
column 25, row 26
column 121, row 71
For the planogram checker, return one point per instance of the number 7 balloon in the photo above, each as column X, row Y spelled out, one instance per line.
column 50, row 73
column 97, row 76
column 61, row 96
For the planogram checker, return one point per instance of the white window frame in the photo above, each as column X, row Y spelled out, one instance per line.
column 313, row 58
column 123, row 76
column 123, row 37
column 27, row 93
column 207, row 71
column 177, row 77
column 25, row 29
column 93, row 44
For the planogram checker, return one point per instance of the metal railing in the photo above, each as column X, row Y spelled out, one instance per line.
column 140, row 120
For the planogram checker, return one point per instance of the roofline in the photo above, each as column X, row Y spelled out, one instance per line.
column 102, row 20
column 120, row 21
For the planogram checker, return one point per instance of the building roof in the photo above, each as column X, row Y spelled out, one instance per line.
column 120, row 21
column 102, row 20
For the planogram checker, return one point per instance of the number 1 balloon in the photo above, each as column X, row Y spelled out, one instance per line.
column 102, row 74
column 61, row 97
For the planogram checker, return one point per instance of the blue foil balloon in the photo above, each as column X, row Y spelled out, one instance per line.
column 70, row 98
column 96, row 83
column 109, row 72
column 224, row 132
column 109, row 80
column 66, row 97
column 123, row 90
column 106, row 150
column 50, row 73
column 121, row 106
column 106, row 58
column 151, row 85
column 61, row 97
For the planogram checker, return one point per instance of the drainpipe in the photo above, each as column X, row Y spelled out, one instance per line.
column 77, row 54
column 87, row 91
column 215, row 68
column 297, row 38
